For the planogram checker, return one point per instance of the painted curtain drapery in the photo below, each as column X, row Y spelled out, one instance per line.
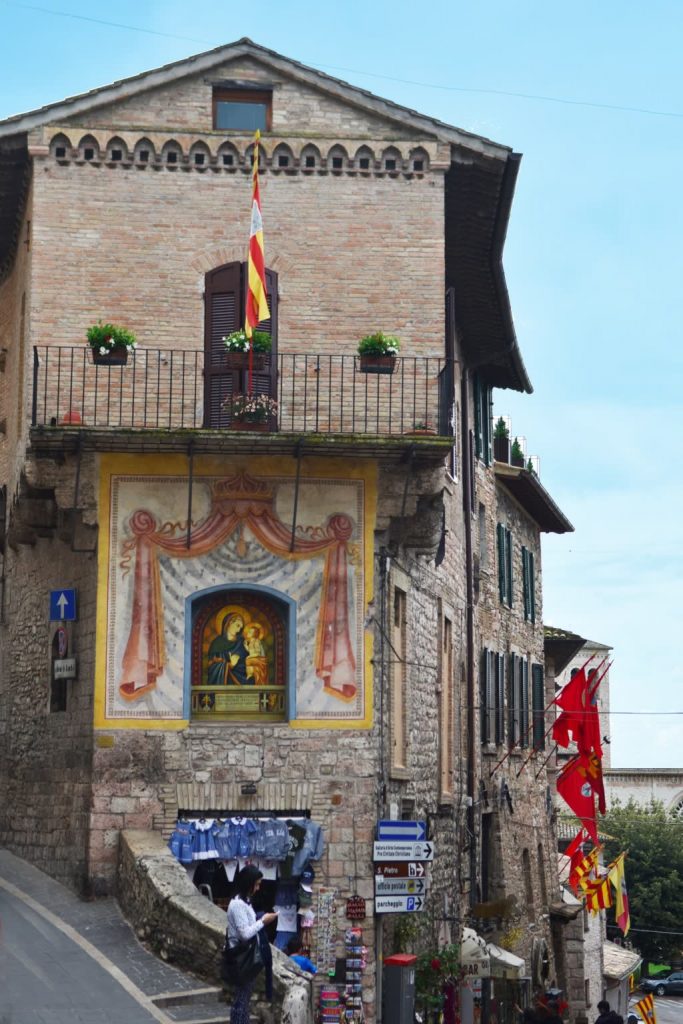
column 239, row 501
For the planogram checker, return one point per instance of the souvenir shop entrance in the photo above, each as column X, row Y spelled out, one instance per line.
column 214, row 846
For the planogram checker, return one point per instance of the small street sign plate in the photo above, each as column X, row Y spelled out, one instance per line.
column 399, row 886
column 403, row 851
column 401, row 869
column 399, row 904
column 63, row 605
column 402, row 830
column 64, row 668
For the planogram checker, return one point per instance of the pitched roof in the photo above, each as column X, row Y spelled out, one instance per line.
column 127, row 87
column 533, row 497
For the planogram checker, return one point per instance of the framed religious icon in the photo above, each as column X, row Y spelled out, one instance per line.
column 239, row 658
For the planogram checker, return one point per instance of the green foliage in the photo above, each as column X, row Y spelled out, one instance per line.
column 238, row 341
column 406, row 931
column 104, row 337
column 432, row 970
column 653, row 840
column 500, row 429
column 517, row 452
column 378, row 344
column 530, row 466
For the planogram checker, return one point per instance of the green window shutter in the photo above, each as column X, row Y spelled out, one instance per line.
column 532, row 586
column 500, row 698
column 484, row 691
column 488, row 421
column 524, row 704
column 512, row 713
column 525, row 583
column 508, row 566
column 500, row 544
column 538, row 706
column 476, row 388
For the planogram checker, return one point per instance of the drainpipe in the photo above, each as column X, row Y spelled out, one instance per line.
column 467, row 490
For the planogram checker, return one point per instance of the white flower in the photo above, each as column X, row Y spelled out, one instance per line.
column 103, row 350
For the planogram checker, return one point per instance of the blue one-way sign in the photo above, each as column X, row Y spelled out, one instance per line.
column 415, row 831
column 63, row 605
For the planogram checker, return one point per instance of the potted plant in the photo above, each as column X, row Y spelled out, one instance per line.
column 237, row 346
column 251, row 412
column 421, row 427
column 378, row 353
column 501, row 441
column 110, row 345
column 517, row 455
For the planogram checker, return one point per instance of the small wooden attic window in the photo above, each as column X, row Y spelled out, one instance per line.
column 242, row 109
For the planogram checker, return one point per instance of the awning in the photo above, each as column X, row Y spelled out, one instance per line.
column 505, row 964
column 481, row 959
column 474, row 955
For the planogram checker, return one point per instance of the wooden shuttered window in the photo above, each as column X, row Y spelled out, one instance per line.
column 224, row 309
column 482, row 399
column 500, row 699
column 487, row 696
column 529, row 585
column 538, row 706
column 514, row 703
column 524, row 703
column 504, row 547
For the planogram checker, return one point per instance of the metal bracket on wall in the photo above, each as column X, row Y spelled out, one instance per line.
column 297, row 454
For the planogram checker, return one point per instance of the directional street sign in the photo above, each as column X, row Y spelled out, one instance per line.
column 402, row 830
column 63, row 605
column 403, row 851
column 398, row 904
column 399, row 869
column 399, row 886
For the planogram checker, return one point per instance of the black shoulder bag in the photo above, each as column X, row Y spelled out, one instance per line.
column 241, row 963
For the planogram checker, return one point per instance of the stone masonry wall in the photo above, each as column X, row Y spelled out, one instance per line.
column 515, row 794
column 46, row 756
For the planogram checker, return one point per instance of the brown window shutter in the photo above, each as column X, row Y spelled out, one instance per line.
column 223, row 313
column 264, row 382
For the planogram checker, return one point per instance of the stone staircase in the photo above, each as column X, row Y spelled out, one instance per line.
column 196, row 1006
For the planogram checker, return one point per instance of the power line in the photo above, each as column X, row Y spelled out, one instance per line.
column 536, row 97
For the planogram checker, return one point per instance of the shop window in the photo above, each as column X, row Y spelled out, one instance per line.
column 246, row 110
column 240, row 657
column 446, row 728
column 398, row 681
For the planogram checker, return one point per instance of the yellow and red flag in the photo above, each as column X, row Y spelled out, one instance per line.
column 588, row 865
column 257, row 301
column 617, row 877
column 646, row 1008
column 598, row 895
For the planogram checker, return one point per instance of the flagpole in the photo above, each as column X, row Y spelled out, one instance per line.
column 553, row 751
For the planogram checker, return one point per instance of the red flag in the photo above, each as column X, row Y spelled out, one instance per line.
column 576, row 855
column 575, row 786
column 572, row 700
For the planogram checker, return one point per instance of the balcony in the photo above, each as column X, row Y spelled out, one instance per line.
column 163, row 400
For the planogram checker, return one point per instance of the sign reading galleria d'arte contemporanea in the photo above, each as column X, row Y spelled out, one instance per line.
column 226, row 618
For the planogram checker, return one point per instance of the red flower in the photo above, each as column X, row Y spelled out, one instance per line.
column 436, row 964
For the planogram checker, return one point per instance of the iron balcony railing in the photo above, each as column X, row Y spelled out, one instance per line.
column 169, row 389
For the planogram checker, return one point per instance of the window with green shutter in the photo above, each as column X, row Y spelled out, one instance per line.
column 483, row 411
column 513, row 701
column 500, row 699
column 529, row 585
column 487, row 697
column 524, row 704
column 504, row 546
column 538, row 706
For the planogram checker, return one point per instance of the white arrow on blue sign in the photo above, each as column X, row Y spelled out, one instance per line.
column 63, row 605
column 398, row 904
column 402, row 830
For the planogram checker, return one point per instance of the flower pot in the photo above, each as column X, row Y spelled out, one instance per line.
column 260, row 426
column 117, row 356
column 240, row 360
column 501, row 449
column 377, row 364
column 517, row 460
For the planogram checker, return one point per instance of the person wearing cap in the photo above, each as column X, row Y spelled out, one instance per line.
column 292, row 949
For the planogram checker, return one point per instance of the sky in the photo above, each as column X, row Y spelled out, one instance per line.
column 592, row 96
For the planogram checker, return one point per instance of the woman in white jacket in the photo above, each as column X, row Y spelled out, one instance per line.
column 243, row 926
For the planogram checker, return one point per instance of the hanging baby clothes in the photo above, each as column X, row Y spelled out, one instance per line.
column 311, row 848
column 297, row 836
column 204, row 847
column 272, row 839
column 181, row 843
